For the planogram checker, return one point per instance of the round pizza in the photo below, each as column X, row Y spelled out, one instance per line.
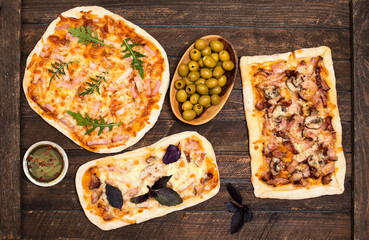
column 97, row 78
column 177, row 172
column 294, row 124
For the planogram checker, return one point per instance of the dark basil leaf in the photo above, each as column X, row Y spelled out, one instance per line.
column 140, row 199
column 237, row 221
column 234, row 192
column 172, row 154
column 247, row 214
column 231, row 207
column 161, row 182
column 168, row 197
column 152, row 194
column 114, row 196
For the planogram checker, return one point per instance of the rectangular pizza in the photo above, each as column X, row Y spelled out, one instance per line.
column 294, row 126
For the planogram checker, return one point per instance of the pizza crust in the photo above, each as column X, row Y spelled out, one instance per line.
column 101, row 12
column 140, row 154
column 289, row 191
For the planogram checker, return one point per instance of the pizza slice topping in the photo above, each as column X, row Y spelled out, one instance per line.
column 293, row 104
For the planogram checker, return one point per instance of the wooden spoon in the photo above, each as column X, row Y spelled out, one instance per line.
column 211, row 112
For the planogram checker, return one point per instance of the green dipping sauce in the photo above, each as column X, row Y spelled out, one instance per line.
column 45, row 163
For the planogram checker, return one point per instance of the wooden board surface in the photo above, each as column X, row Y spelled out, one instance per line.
column 254, row 27
column 361, row 118
column 10, row 217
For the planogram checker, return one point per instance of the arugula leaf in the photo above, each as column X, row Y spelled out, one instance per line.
column 59, row 69
column 95, row 84
column 129, row 52
column 94, row 123
column 85, row 36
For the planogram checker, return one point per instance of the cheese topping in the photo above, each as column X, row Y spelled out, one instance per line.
column 297, row 132
column 123, row 96
column 193, row 175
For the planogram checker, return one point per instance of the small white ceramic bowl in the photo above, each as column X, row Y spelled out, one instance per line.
column 56, row 180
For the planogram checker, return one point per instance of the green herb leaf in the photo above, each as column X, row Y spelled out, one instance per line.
column 94, row 84
column 114, row 196
column 85, row 36
column 94, row 123
column 140, row 199
column 129, row 52
column 161, row 182
column 58, row 69
column 168, row 197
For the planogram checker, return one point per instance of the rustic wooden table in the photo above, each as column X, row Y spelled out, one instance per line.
column 254, row 27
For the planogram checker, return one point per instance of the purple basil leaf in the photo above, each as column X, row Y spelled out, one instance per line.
column 140, row 199
column 235, row 193
column 168, row 197
column 237, row 221
column 231, row 207
column 161, row 182
column 172, row 154
column 114, row 196
column 247, row 214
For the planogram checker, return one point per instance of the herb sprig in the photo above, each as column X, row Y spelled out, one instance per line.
column 94, row 123
column 58, row 69
column 241, row 212
column 94, row 84
column 85, row 36
column 129, row 52
column 161, row 193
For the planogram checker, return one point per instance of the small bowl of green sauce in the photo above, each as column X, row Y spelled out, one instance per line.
column 45, row 163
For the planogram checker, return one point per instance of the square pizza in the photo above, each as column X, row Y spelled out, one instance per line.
column 295, row 132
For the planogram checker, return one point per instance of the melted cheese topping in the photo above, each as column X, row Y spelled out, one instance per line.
column 194, row 174
column 124, row 97
column 283, row 117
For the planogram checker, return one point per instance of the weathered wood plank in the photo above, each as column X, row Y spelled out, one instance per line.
column 10, row 211
column 188, row 225
column 31, row 199
column 361, row 118
column 324, row 14
column 247, row 41
column 225, row 135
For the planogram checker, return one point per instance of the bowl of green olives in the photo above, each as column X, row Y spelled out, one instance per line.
column 203, row 80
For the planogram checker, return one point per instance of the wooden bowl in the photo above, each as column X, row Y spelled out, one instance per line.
column 211, row 112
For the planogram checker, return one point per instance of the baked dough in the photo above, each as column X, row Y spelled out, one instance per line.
column 55, row 122
column 255, row 126
column 180, row 171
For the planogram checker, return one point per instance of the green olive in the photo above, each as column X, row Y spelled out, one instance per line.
column 201, row 62
column 209, row 61
column 215, row 99
column 222, row 80
column 193, row 66
column 216, row 45
column 198, row 108
column 187, row 105
column 218, row 72
column 211, row 83
column 188, row 115
column 206, row 51
column 228, row 65
column 179, row 84
column 194, row 76
column 181, row 96
column 204, row 100
column 202, row 89
column 187, row 81
column 206, row 73
column 200, row 44
column 190, row 89
column 183, row 70
column 224, row 56
column 201, row 80
column 194, row 98
column 215, row 90
column 215, row 56
column 195, row 54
